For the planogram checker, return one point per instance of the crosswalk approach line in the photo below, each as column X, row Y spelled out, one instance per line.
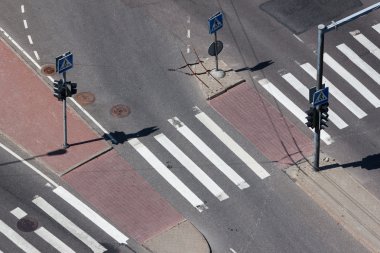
column 91, row 215
column 68, row 225
column 46, row 235
column 208, row 153
column 371, row 47
column 169, row 176
column 359, row 62
column 232, row 145
column 292, row 107
column 355, row 83
column 191, row 167
column 17, row 239
column 304, row 91
column 348, row 103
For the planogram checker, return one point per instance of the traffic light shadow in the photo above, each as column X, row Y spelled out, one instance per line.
column 51, row 153
column 121, row 137
column 258, row 66
column 371, row 162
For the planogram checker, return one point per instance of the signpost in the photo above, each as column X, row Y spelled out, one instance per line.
column 215, row 23
column 62, row 64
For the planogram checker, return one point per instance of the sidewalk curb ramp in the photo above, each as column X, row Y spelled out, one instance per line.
column 184, row 238
column 345, row 199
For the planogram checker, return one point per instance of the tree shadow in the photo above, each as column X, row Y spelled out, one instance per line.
column 258, row 66
column 371, row 162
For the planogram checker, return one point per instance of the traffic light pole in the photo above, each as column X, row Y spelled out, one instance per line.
column 322, row 29
column 65, row 144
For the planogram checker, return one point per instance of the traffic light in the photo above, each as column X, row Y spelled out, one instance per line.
column 311, row 117
column 324, row 115
column 72, row 90
column 59, row 90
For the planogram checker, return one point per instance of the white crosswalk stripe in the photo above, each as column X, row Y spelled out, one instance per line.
column 350, row 79
column 167, row 174
column 208, row 153
column 17, row 239
column 45, row 234
column 372, row 48
column 365, row 67
column 191, row 167
column 287, row 103
column 348, row 103
column 304, row 91
column 376, row 27
column 232, row 145
column 68, row 225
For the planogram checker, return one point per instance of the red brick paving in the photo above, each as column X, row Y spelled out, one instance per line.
column 116, row 190
column 263, row 125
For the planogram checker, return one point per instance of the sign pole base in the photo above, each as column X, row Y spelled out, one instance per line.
column 217, row 73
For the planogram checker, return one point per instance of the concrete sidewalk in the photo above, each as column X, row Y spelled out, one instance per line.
column 345, row 199
column 32, row 119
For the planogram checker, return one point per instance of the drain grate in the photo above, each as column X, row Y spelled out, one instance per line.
column 48, row 69
column 27, row 224
column 120, row 111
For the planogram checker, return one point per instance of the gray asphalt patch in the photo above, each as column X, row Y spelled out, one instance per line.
column 300, row 15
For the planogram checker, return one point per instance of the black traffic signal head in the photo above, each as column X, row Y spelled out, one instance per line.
column 311, row 117
column 324, row 115
column 59, row 90
column 72, row 90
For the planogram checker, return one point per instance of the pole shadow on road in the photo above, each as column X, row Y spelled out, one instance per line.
column 257, row 67
column 371, row 162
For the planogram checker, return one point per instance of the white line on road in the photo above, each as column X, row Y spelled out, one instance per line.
column 197, row 172
column 45, row 234
column 208, row 153
column 232, row 145
column 29, row 165
column 91, row 215
column 30, row 40
column 22, row 8
column 298, row 38
column 304, row 91
column 335, row 92
column 350, row 79
column 365, row 67
column 372, row 48
column 17, row 239
column 376, row 27
column 36, row 55
column 167, row 175
column 68, row 225
column 25, row 24
column 292, row 107
column 232, row 250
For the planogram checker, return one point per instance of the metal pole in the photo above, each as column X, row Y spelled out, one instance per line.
column 216, row 53
column 65, row 145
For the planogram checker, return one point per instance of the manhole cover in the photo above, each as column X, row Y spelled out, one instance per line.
column 120, row 111
column 85, row 98
column 48, row 69
column 27, row 224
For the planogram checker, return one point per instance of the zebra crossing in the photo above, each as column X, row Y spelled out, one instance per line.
column 64, row 223
column 360, row 88
column 191, row 166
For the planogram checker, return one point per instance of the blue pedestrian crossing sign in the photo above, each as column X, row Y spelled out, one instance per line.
column 64, row 62
column 215, row 22
column 321, row 97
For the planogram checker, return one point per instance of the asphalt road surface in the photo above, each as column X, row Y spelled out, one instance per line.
column 123, row 54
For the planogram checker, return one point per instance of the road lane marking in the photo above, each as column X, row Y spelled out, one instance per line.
column 335, row 92
column 168, row 175
column 350, row 79
column 36, row 55
column 17, row 239
column 68, row 225
column 365, row 67
column 232, row 145
column 22, row 9
column 91, row 215
column 25, row 24
column 304, row 91
column 232, row 250
column 292, row 107
column 372, row 48
column 376, row 27
column 45, row 234
column 30, row 40
column 29, row 165
column 197, row 172
column 208, row 153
